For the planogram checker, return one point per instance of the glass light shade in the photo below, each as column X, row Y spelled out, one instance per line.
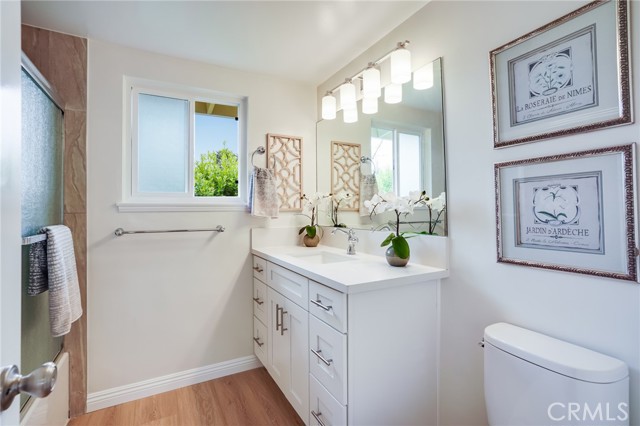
column 350, row 115
column 348, row 96
column 371, row 83
column 369, row 105
column 400, row 66
column 423, row 77
column 393, row 93
column 328, row 107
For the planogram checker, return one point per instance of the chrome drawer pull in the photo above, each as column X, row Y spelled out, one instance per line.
column 257, row 340
column 320, row 305
column 258, row 269
column 280, row 321
column 317, row 353
column 258, row 301
column 317, row 417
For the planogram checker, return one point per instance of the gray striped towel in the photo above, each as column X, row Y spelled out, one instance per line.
column 38, row 277
column 263, row 196
column 61, row 278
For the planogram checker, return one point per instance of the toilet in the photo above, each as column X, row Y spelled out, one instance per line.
column 533, row 379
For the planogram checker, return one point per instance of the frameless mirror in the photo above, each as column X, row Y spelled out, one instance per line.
column 399, row 149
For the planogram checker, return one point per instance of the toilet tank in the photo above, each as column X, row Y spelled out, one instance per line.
column 533, row 379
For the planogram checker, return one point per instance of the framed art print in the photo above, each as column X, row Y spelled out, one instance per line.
column 569, row 76
column 572, row 212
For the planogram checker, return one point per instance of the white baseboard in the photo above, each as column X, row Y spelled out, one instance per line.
column 122, row 394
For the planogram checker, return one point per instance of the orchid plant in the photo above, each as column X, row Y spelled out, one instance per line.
column 310, row 206
column 405, row 206
column 336, row 200
column 436, row 205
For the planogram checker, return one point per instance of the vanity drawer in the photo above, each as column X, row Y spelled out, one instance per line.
column 260, row 340
column 324, row 410
column 329, row 305
column 259, row 300
column 328, row 358
column 260, row 268
column 291, row 285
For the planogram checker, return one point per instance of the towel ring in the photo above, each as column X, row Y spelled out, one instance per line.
column 365, row 159
column 260, row 150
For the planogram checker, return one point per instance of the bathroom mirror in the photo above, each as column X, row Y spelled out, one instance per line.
column 402, row 145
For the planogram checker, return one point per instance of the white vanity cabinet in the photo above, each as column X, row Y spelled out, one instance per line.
column 281, row 324
column 353, row 354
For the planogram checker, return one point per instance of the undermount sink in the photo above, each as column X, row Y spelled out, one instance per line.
column 323, row 257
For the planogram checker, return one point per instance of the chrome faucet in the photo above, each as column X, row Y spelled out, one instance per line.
column 351, row 239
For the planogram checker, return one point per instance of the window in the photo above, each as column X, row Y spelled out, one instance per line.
column 184, row 146
column 397, row 158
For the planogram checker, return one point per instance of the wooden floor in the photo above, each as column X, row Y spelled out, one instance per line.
column 243, row 399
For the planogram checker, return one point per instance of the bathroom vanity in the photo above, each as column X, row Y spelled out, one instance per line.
column 348, row 339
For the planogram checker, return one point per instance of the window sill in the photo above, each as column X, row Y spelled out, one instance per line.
column 142, row 207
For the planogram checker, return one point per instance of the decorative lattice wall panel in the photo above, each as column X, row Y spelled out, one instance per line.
column 284, row 157
column 345, row 172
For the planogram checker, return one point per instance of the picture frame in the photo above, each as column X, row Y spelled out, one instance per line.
column 566, row 77
column 284, row 158
column 571, row 212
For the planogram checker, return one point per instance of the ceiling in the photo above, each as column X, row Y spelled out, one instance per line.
column 306, row 41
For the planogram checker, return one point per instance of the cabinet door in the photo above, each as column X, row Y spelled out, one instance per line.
column 289, row 346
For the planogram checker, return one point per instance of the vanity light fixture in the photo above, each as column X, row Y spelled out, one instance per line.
column 348, row 95
column 371, row 82
column 401, row 64
column 369, row 105
column 328, row 107
column 423, row 77
column 393, row 93
column 350, row 115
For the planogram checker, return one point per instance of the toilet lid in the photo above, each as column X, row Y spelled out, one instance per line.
column 556, row 355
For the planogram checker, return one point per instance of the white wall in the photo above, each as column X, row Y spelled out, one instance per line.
column 597, row 313
column 166, row 303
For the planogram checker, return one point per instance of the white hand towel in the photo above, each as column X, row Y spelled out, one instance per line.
column 65, row 305
column 368, row 188
column 263, row 198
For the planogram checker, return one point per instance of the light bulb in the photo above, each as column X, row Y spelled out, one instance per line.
column 423, row 77
column 328, row 107
column 348, row 96
column 393, row 93
column 350, row 115
column 400, row 66
column 371, row 83
column 369, row 105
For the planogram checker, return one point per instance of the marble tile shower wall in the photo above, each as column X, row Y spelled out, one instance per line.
column 62, row 60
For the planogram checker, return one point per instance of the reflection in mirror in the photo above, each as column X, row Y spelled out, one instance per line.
column 400, row 149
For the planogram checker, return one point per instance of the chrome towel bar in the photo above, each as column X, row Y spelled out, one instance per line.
column 33, row 239
column 120, row 232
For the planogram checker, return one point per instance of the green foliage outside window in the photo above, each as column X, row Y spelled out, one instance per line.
column 384, row 178
column 216, row 174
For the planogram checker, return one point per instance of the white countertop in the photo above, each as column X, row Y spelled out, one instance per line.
column 350, row 274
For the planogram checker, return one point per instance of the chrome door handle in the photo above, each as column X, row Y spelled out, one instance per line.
column 282, row 329
column 278, row 324
column 257, row 340
column 317, row 353
column 320, row 305
column 317, row 417
column 258, row 301
column 39, row 383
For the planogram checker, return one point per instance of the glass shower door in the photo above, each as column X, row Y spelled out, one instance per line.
column 42, row 204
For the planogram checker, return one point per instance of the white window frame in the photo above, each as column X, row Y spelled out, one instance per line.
column 396, row 129
column 132, row 199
